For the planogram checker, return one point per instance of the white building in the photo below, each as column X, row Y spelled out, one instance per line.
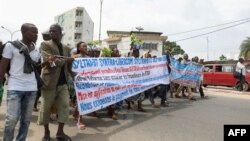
column 77, row 26
column 121, row 41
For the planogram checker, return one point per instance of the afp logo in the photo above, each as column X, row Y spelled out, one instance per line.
column 236, row 132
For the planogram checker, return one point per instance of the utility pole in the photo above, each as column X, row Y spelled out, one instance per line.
column 101, row 1
column 207, row 48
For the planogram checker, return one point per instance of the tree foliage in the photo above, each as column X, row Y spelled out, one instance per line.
column 106, row 52
column 173, row 48
column 93, row 43
column 245, row 49
column 134, row 40
column 223, row 58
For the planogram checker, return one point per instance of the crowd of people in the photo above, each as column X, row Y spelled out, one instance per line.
column 57, row 93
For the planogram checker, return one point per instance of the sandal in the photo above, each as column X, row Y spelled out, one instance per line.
column 81, row 126
column 63, row 137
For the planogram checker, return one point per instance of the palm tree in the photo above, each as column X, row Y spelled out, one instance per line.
column 245, row 49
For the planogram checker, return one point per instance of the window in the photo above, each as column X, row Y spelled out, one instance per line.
column 208, row 69
column 248, row 68
column 112, row 46
column 218, row 68
column 147, row 46
column 227, row 69
column 78, row 24
column 78, row 35
column 79, row 12
column 61, row 19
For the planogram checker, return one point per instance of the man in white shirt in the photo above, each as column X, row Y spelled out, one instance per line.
column 22, row 84
column 240, row 67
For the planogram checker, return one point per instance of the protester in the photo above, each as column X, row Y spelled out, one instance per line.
column 1, row 93
column 81, row 53
column 135, row 52
column 184, row 61
column 96, row 52
column 1, row 85
column 55, row 84
column 111, row 109
column 153, row 92
column 164, row 88
column 1, row 49
column 107, row 52
column 147, row 54
column 241, row 68
column 22, row 84
column 196, row 60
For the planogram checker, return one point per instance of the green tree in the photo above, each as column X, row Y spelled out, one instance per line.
column 245, row 49
column 223, row 58
column 93, row 43
column 106, row 52
column 173, row 48
column 134, row 40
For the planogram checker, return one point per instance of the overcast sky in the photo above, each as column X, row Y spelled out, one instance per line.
column 166, row 16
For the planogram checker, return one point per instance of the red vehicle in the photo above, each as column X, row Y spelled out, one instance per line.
column 222, row 75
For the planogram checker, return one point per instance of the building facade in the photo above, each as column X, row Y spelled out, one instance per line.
column 77, row 26
column 150, row 40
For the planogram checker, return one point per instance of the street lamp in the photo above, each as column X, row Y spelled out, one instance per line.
column 11, row 33
column 101, row 1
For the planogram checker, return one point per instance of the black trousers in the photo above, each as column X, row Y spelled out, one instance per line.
column 201, row 91
column 239, row 86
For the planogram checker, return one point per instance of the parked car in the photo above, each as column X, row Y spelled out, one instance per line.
column 222, row 75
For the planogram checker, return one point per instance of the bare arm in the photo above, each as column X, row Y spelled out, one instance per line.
column 3, row 65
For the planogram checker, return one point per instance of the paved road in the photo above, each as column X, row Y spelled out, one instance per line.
column 184, row 120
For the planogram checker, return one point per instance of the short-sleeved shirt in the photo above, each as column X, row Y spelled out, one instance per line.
column 241, row 68
column 18, row 80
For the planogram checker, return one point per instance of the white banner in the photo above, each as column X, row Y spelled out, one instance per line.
column 101, row 82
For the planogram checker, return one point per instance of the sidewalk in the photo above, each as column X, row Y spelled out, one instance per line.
column 229, row 90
